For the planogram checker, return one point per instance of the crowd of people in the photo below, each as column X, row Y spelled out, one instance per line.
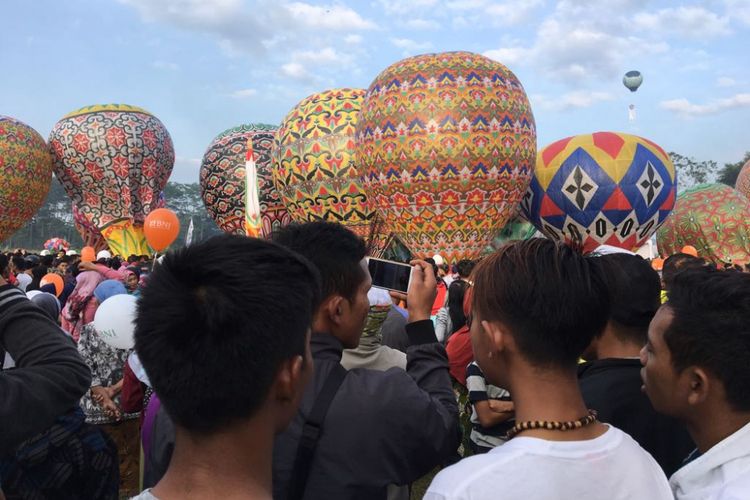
column 274, row 369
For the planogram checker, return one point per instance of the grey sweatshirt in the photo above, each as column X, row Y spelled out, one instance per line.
column 50, row 377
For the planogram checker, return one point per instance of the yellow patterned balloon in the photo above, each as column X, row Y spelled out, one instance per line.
column 314, row 165
column 447, row 144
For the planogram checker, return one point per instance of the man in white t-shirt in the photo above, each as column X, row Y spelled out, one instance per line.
column 697, row 369
column 537, row 304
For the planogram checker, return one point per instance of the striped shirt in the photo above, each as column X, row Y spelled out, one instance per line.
column 480, row 390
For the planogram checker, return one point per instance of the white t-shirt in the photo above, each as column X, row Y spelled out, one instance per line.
column 612, row 467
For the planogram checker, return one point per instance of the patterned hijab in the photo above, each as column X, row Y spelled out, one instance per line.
column 86, row 283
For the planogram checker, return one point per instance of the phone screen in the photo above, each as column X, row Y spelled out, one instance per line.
column 389, row 275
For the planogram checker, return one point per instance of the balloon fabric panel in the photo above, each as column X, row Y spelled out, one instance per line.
column 447, row 143
column 743, row 181
column 26, row 168
column 113, row 161
column 602, row 188
column 713, row 218
column 315, row 168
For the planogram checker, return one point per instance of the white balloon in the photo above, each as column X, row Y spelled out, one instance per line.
column 114, row 321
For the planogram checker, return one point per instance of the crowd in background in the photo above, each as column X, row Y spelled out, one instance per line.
column 276, row 370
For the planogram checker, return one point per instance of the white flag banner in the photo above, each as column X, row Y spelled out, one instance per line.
column 189, row 236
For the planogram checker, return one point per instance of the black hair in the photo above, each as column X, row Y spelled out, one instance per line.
column 135, row 270
column 553, row 299
column 465, row 267
column 211, row 337
column 333, row 249
column 37, row 273
column 634, row 293
column 677, row 262
column 4, row 261
column 19, row 263
column 133, row 258
column 64, row 259
column 456, row 294
column 711, row 328
column 47, row 260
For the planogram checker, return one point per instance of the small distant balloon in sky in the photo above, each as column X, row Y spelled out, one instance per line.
column 632, row 80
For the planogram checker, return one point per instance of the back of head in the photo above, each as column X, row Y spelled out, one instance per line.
column 456, row 294
column 551, row 298
column 676, row 263
column 47, row 260
column 465, row 267
column 212, row 336
column 711, row 328
column 635, row 295
column 334, row 250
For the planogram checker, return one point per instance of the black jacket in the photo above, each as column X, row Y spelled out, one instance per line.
column 382, row 428
column 612, row 387
column 50, row 377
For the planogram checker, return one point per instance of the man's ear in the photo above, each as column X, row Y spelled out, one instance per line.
column 700, row 385
column 286, row 391
column 496, row 334
column 335, row 307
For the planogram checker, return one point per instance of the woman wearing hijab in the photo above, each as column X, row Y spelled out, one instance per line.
column 48, row 303
column 80, row 307
column 132, row 281
column 102, row 403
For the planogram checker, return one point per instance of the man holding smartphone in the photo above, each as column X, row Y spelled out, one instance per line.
column 359, row 431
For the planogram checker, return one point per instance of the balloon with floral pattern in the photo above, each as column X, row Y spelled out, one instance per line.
column 25, row 174
column 113, row 161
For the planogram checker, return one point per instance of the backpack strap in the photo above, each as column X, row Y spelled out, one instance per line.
column 311, row 432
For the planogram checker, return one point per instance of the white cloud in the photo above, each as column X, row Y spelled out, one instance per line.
column 511, row 13
column 296, row 71
column 686, row 108
column 243, row 93
column 422, row 24
column 410, row 46
column 194, row 12
column 508, row 55
column 686, row 21
column 353, row 39
column 404, row 6
column 332, row 17
column 170, row 66
column 326, row 56
column 571, row 100
column 725, row 81
column 738, row 10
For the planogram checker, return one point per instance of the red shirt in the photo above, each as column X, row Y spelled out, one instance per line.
column 460, row 353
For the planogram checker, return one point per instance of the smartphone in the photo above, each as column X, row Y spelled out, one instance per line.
column 389, row 275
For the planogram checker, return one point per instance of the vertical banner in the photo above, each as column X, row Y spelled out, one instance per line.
column 189, row 237
column 253, row 222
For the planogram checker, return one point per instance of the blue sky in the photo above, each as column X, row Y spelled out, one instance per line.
column 203, row 66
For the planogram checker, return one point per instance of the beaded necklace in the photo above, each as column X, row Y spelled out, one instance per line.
column 551, row 425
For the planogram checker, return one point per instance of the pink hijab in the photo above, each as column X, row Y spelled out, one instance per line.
column 86, row 283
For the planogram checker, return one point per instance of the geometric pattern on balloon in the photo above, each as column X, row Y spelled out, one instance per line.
column 715, row 219
column 222, row 179
column 113, row 161
column 743, row 181
column 447, row 143
column 601, row 188
column 26, row 168
column 90, row 234
column 315, row 169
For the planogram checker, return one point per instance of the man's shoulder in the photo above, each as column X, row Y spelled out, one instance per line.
column 478, row 471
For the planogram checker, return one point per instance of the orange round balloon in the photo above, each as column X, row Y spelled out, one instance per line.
column 161, row 228
column 657, row 264
column 53, row 279
column 690, row 250
column 88, row 254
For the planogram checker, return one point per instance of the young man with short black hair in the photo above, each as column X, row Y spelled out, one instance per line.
column 696, row 369
column 363, row 429
column 226, row 348
column 537, row 305
column 610, row 380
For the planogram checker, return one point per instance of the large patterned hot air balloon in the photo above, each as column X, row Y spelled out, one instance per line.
column 113, row 161
column 447, row 143
column 315, row 169
column 743, row 181
column 713, row 218
column 602, row 188
column 223, row 178
column 25, row 174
